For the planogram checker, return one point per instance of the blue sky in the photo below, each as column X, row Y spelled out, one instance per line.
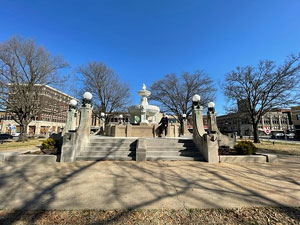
column 143, row 40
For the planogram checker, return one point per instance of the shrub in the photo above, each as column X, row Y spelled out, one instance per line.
column 48, row 143
column 245, row 148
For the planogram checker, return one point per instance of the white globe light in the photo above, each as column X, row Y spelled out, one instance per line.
column 196, row 98
column 121, row 116
column 87, row 96
column 184, row 115
column 102, row 114
column 211, row 105
column 73, row 103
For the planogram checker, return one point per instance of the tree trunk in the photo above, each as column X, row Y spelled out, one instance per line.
column 255, row 133
column 23, row 133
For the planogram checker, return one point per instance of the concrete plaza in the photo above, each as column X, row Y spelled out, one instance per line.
column 151, row 185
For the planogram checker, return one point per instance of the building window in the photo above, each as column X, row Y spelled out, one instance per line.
column 298, row 117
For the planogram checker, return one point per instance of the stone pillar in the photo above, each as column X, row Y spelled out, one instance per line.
column 141, row 150
column 207, row 144
column 212, row 121
column 37, row 128
column 81, row 137
column 198, row 120
column 71, row 121
column 128, row 130
column 74, row 118
column 184, row 129
column 271, row 122
column 279, row 122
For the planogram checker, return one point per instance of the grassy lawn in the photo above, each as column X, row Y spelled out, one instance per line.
column 31, row 143
column 279, row 147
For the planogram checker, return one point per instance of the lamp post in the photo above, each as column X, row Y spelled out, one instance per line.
column 73, row 108
column 183, row 124
column 87, row 98
column 211, row 120
column 102, row 123
column 121, row 119
column 72, row 104
column 211, row 106
column 196, row 100
column 71, row 120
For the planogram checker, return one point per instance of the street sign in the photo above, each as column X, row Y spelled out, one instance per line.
column 267, row 130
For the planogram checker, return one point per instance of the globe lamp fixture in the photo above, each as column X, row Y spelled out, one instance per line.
column 87, row 98
column 73, row 104
column 196, row 98
column 211, row 106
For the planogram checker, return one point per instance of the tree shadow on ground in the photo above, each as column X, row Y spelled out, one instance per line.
column 181, row 184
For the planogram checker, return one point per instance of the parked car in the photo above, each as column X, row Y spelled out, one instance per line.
column 5, row 136
column 290, row 135
column 279, row 135
column 16, row 134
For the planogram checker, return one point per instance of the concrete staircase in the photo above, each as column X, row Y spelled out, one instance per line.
column 106, row 148
column 172, row 149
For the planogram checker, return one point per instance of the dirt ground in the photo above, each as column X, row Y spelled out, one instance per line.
column 253, row 215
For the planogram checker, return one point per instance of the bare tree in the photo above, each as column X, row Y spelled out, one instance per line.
column 175, row 93
column 24, row 71
column 110, row 94
column 263, row 87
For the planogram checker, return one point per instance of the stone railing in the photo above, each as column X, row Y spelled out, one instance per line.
column 206, row 143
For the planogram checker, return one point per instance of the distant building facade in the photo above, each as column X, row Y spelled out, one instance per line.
column 51, row 119
column 295, row 112
column 277, row 121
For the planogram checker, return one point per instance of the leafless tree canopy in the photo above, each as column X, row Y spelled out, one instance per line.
column 24, row 70
column 264, row 87
column 175, row 93
column 110, row 94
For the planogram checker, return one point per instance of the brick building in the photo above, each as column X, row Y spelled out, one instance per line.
column 51, row 119
column 295, row 112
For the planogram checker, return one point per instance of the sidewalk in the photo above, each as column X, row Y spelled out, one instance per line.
column 151, row 185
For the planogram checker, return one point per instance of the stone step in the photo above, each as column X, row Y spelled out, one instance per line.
column 171, row 140
column 169, row 145
column 175, row 158
column 109, row 149
column 111, row 140
column 107, row 154
column 167, row 149
column 173, row 153
column 112, row 145
column 110, row 158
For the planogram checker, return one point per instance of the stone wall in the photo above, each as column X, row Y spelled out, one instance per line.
column 145, row 130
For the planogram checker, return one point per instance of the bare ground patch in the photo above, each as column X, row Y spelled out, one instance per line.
column 253, row 215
